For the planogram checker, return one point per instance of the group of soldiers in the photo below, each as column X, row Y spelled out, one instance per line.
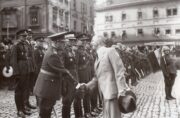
column 135, row 61
column 26, row 56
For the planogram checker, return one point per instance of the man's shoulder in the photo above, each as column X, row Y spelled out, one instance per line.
column 111, row 51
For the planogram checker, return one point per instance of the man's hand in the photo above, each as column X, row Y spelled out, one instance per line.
column 123, row 93
column 82, row 89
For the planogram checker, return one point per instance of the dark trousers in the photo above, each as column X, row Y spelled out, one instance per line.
column 21, row 92
column 169, row 82
column 29, row 86
column 45, row 107
column 71, row 95
column 94, row 96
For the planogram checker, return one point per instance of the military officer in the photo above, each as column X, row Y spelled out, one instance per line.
column 22, row 63
column 38, row 56
column 49, row 82
column 71, row 63
column 84, row 74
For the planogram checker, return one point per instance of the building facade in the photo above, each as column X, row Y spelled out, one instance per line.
column 45, row 17
column 139, row 20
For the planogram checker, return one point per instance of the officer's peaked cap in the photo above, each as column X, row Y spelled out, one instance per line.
column 70, row 36
column 40, row 39
column 30, row 31
column 58, row 36
column 23, row 32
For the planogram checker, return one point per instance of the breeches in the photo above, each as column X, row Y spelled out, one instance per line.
column 45, row 107
column 67, row 101
column 21, row 91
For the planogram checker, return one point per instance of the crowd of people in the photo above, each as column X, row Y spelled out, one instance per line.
column 32, row 59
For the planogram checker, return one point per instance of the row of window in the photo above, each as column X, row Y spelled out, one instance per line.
column 169, row 12
column 140, row 32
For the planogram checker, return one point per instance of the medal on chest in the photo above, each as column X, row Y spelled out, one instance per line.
column 84, row 58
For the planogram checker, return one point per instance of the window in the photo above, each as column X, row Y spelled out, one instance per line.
column 55, row 12
column 105, row 34
column 9, row 20
column 113, row 34
column 168, row 12
column 74, row 5
column 83, row 8
column 75, row 24
column 61, row 16
column 109, row 2
column 168, row 31
column 156, row 31
column 91, row 11
column 124, row 35
column 140, row 32
column 34, row 15
column 155, row 13
column 66, row 18
column 123, row 16
column 139, row 15
column 175, row 11
column 82, row 27
column 109, row 18
column 66, row 1
column 171, row 11
column 177, row 31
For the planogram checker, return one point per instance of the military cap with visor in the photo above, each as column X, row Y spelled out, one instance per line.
column 23, row 32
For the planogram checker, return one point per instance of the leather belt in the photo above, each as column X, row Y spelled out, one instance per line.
column 48, row 73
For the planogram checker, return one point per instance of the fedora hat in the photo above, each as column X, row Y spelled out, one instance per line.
column 127, row 103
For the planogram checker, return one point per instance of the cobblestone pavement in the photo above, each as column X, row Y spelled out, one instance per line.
column 151, row 101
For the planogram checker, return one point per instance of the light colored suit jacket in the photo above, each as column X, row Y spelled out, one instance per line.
column 109, row 74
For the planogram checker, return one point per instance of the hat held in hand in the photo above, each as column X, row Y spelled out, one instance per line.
column 127, row 103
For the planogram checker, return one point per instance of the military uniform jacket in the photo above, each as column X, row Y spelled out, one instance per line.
column 38, row 56
column 22, row 59
column 71, row 63
column 48, row 84
column 83, row 67
column 168, row 65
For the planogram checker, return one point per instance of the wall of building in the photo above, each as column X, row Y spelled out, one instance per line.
column 53, row 16
column 21, row 18
column 147, row 23
column 84, row 19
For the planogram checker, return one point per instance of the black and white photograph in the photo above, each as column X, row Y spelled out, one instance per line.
column 89, row 58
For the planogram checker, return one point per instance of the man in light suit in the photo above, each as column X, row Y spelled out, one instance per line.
column 109, row 77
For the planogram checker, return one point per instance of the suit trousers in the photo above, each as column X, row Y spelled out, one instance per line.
column 169, row 82
column 45, row 107
column 94, row 98
column 111, row 109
